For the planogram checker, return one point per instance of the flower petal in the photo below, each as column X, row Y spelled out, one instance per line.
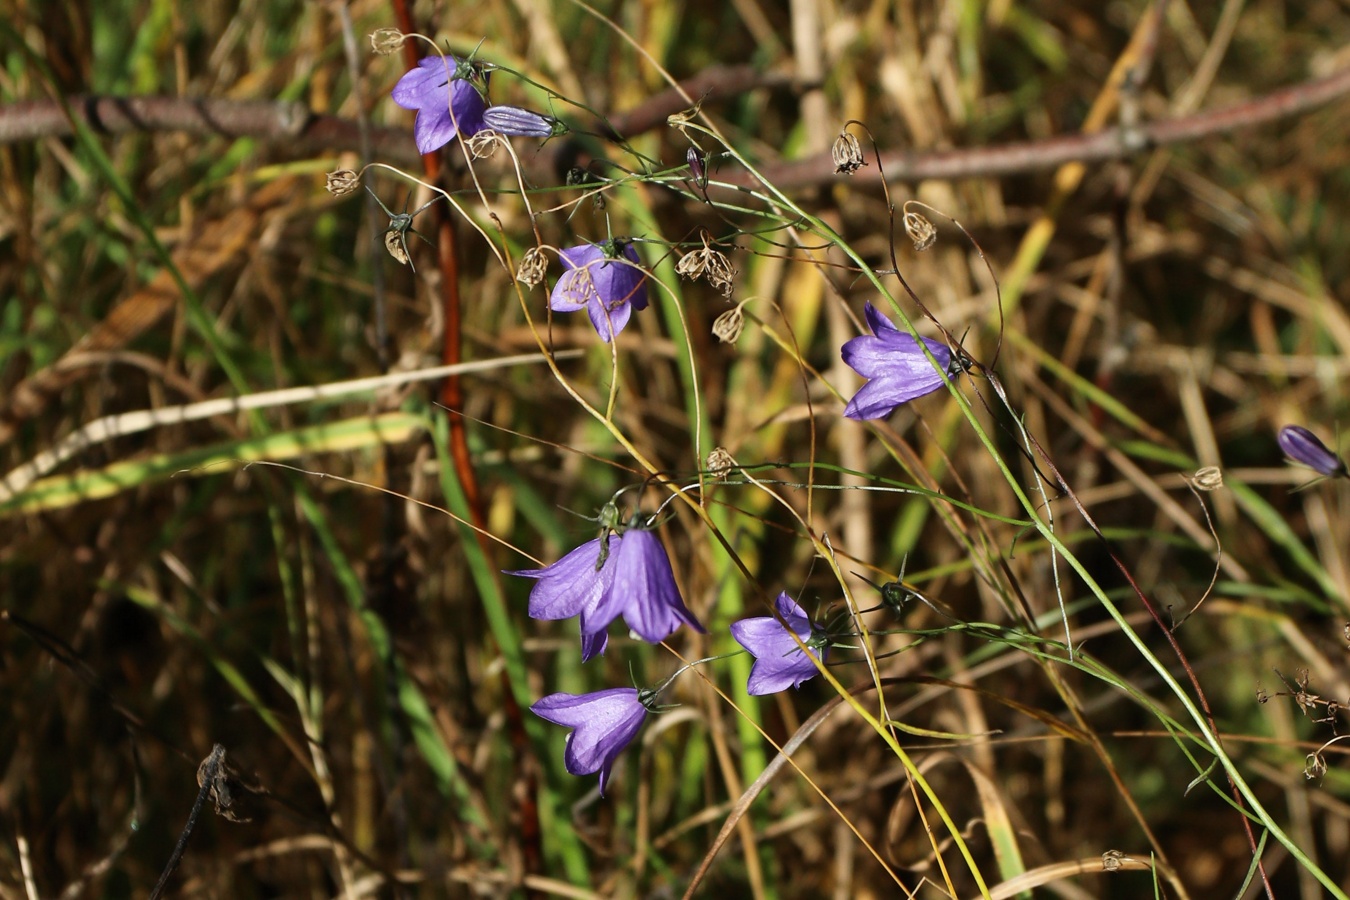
column 433, row 129
column 644, row 589
column 608, row 322
column 424, row 85
column 572, row 585
column 593, row 645
column 432, row 90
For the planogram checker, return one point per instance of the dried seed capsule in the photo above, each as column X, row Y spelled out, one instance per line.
column 847, row 154
column 341, row 182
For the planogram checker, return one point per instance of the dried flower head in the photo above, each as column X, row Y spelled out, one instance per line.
column 720, row 463
column 385, row 41
column 728, row 326
column 533, row 265
column 342, row 181
column 1314, row 766
column 397, row 246
column 920, row 231
column 708, row 263
column 681, row 119
column 1210, row 478
column 847, row 154
column 483, row 145
column 396, row 234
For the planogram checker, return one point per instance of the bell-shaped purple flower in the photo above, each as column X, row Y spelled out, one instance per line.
column 897, row 370
column 605, row 722
column 632, row 578
column 518, row 122
column 1302, row 446
column 779, row 661
column 435, row 88
column 600, row 279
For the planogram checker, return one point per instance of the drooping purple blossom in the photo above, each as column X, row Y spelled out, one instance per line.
column 895, row 366
column 438, row 86
column 604, row 722
column 779, row 660
column 628, row 576
column 1302, row 446
column 518, row 122
column 605, row 280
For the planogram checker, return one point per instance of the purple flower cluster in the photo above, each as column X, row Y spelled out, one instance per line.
column 625, row 573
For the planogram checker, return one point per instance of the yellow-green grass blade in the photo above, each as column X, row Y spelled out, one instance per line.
column 62, row 491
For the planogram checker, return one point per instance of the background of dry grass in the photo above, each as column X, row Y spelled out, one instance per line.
column 355, row 652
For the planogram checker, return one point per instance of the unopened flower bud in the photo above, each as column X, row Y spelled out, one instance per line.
column 1302, row 446
column 341, row 182
column 696, row 167
column 533, row 265
column 920, row 231
column 847, row 154
column 522, row 122
column 386, row 40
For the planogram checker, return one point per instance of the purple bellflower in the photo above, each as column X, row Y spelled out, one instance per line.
column 517, row 122
column 605, row 722
column 779, row 661
column 629, row 576
column 896, row 369
column 597, row 281
column 436, row 88
column 1302, row 446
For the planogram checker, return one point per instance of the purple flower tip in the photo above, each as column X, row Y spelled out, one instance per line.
column 895, row 366
column 605, row 280
column 1302, row 446
column 779, row 661
column 605, row 722
column 447, row 103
